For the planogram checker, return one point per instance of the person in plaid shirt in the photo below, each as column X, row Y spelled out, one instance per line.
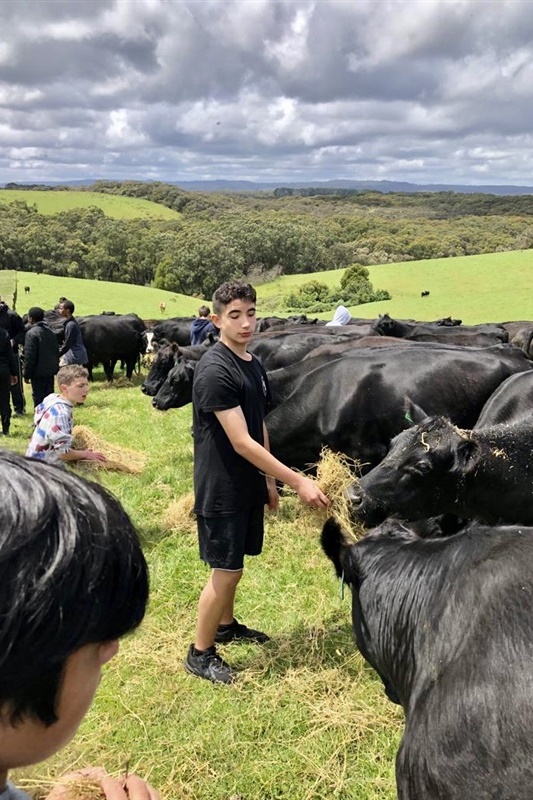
column 52, row 437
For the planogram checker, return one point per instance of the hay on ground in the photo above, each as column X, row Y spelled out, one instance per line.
column 119, row 459
column 179, row 515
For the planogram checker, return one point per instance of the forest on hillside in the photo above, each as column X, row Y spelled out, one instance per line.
column 259, row 236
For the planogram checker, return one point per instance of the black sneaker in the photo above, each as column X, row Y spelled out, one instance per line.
column 238, row 632
column 209, row 665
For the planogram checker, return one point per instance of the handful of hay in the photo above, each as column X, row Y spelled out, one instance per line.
column 335, row 472
column 119, row 459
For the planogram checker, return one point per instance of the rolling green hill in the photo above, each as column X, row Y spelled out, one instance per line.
column 52, row 202
column 494, row 287
column 93, row 297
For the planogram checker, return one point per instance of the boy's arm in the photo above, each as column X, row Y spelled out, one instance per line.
column 69, row 339
column 236, row 429
column 81, row 455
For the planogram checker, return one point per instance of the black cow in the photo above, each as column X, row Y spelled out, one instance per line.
column 27, row 290
column 169, row 356
column 466, row 335
column 512, row 400
column 424, row 294
column 446, row 624
column 436, row 468
column 175, row 329
column 358, row 403
column 176, row 391
column 109, row 339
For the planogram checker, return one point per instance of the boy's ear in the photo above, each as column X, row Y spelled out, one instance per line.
column 215, row 319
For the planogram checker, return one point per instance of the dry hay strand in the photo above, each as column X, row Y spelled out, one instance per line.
column 335, row 472
column 74, row 788
column 179, row 515
column 119, row 459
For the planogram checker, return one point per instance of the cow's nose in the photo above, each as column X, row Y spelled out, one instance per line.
column 154, row 402
column 143, row 389
column 354, row 495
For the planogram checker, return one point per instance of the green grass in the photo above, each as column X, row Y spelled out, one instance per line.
column 308, row 719
column 8, row 282
column 53, row 202
column 486, row 288
column 93, row 297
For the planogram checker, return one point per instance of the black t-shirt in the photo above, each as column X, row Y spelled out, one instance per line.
column 225, row 482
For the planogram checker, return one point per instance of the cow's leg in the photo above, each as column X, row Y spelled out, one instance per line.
column 109, row 367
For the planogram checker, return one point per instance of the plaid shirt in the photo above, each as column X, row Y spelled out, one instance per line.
column 53, row 429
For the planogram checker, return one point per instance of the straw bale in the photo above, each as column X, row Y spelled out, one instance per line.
column 179, row 514
column 119, row 459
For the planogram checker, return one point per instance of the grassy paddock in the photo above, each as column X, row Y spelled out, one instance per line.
column 51, row 202
column 307, row 720
column 494, row 287
column 486, row 288
column 8, row 283
column 93, row 297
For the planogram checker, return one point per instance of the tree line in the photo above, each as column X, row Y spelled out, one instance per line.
column 222, row 236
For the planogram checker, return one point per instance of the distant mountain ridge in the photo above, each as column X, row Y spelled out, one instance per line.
column 338, row 183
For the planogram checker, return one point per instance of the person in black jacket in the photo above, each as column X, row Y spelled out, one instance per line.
column 8, row 377
column 12, row 323
column 41, row 356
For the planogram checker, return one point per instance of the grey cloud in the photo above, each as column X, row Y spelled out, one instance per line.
column 234, row 87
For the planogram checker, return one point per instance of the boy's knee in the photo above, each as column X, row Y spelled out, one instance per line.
column 224, row 577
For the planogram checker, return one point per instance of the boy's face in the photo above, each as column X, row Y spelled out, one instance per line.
column 236, row 322
column 30, row 741
column 77, row 391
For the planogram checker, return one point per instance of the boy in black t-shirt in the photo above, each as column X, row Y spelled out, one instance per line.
column 231, row 459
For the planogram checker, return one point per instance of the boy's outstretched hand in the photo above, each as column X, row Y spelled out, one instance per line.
column 130, row 788
column 310, row 492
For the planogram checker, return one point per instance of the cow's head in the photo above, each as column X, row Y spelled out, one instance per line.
column 176, row 391
column 349, row 560
column 420, row 477
column 165, row 359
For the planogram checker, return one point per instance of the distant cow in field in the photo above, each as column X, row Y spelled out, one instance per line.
column 26, row 290
column 424, row 294
column 162, row 306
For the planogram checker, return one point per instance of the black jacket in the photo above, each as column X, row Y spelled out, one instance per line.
column 41, row 352
column 11, row 322
column 8, row 365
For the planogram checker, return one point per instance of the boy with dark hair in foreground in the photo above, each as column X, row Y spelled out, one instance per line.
column 231, row 459
column 73, row 581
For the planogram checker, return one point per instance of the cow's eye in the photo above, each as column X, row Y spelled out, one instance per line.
column 422, row 466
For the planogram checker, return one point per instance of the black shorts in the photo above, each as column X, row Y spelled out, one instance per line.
column 224, row 541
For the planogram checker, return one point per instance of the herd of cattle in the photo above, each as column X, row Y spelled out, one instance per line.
column 439, row 417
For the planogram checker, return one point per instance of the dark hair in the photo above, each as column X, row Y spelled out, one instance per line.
column 68, row 304
column 72, row 572
column 204, row 311
column 232, row 290
column 36, row 313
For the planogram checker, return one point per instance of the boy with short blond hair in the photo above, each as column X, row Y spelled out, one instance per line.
column 52, row 437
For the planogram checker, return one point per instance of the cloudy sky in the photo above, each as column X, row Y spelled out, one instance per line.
column 429, row 91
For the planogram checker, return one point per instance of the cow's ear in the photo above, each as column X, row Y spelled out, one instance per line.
column 174, row 346
column 465, row 453
column 413, row 414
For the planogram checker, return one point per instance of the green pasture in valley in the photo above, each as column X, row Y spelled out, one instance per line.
column 487, row 288
column 93, row 297
column 52, row 202
column 308, row 720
